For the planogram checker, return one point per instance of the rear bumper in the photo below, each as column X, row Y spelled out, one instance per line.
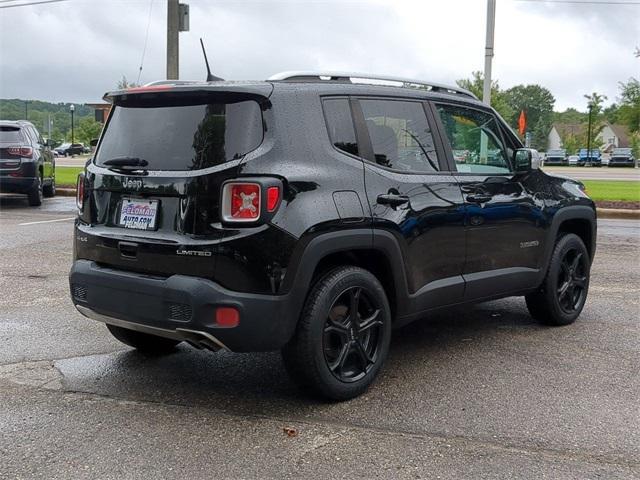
column 181, row 307
column 9, row 184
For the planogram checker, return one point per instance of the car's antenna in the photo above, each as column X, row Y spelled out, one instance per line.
column 210, row 76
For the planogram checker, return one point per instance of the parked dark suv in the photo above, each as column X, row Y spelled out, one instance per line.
column 313, row 213
column 71, row 149
column 26, row 163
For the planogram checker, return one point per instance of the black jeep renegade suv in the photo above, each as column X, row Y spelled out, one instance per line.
column 313, row 213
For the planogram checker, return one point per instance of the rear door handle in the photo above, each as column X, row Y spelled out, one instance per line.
column 392, row 200
column 479, row 198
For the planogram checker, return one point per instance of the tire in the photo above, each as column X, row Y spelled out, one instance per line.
column 35, row 194
column 563, row 293
column 50, row 190
column 143, row 342
column 330, row 355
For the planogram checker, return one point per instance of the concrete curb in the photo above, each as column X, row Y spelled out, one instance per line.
column 633, row 214
column 602, row 212
column 65, row 192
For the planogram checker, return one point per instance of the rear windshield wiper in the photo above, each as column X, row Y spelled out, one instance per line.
column 125, row 162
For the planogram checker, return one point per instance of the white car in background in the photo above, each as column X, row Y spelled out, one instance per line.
column 573, row 159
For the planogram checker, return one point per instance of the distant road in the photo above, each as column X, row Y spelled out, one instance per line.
column 602, row 173
column 579, row 173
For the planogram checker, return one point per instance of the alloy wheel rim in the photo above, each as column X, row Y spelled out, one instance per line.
column 572, row 281
column 353, row 334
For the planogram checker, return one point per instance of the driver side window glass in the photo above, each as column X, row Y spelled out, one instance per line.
column 475, row 140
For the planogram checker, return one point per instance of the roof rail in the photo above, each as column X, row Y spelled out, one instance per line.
column 353, row 77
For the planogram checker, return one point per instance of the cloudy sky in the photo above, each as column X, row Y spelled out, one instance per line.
column 75, row 50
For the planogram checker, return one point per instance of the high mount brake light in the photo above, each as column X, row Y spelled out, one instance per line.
column 150, row 88
column 25, row 152
column 80, row 192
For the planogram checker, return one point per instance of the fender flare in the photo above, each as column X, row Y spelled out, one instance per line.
column 322, row 245
column 573, row 212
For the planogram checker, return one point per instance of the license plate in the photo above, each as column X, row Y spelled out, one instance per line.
column 138, row 214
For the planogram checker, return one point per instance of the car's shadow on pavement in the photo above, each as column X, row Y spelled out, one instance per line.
column 257, row 383
column 13, row 202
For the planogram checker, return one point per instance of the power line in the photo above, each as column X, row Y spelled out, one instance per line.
column 146, row 39
column 30, row 3
column 585, row 2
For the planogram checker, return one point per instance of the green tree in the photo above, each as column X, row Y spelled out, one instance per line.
column 629, row 111
column 475, row 85
column 594, row 104
column 86, row 130
column 569, row 116
column 537, row 103
column 123, row 84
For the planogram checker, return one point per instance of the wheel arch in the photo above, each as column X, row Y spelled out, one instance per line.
column 352, row 247
column 577, row 219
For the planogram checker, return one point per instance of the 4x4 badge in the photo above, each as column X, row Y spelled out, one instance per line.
column 131, row 183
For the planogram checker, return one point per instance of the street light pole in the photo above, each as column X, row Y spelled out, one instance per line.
column 589, row 133
column 72, row 109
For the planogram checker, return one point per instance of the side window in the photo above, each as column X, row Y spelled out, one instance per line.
column 400, row 135
column 340, row 124
column 475, row 140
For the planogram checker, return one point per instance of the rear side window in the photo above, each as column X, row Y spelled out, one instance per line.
column 182, row 137
column 400, row 135
column 340, row 125
column 10, row 134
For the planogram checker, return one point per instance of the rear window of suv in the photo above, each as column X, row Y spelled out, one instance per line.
column 182, row 137
column 10, row 134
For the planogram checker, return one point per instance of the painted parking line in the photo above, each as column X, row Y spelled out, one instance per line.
column 46, row 221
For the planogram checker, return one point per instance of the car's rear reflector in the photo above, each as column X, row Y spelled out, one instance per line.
column 227, row 317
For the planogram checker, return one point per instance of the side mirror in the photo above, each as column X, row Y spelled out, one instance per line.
column 93, row 142
column 525, row 160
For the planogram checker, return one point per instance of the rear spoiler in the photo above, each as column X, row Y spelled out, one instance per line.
column 177, row 88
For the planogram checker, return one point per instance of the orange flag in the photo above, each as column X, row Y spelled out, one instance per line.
column 522, row 123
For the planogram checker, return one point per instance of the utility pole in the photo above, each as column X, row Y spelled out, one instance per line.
column 488, row 51
column 26, row 109
column 173, row 47
column 177, row 21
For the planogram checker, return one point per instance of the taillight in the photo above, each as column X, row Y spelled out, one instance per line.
column 241, row 202
column 25, row 152
column 80, row 192
column 273, row 197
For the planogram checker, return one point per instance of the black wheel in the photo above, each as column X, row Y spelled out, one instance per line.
column 35, row 194
column 50, row 190
column 144, row 342
column 562, row 296
column 342, row 338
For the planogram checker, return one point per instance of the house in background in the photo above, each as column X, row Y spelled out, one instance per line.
column 560, row 131
column 614, row 136
column 611, row 136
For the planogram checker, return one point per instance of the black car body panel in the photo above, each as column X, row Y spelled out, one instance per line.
column 435, row 238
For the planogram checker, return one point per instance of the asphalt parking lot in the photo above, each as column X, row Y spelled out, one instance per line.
column 481, row 392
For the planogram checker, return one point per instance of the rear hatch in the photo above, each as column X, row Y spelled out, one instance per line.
column 12, row 147
column 153, row 189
